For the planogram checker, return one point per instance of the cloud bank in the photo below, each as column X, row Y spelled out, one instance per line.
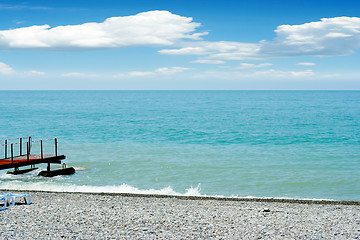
column 251, row 65
column 306, row 64
column 328, row 37
column 270, row 74
column 154, row 28
column 6, row 69
column 78, row 74
column 34, row 72
column 159, row 71
column 218, row 50
column 20, row 7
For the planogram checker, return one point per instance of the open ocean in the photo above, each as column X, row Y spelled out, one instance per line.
column 281, row 144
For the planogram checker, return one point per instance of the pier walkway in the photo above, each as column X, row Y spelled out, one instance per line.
column 14, row 156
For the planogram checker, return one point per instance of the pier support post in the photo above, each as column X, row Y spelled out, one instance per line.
column 20, row 146
column 12, row 153
column 6, row 148
column 27, row 151
column 42, row 153
column 29, row 144
column 56, row 146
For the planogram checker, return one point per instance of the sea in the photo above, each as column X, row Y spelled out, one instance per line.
column 238, row 144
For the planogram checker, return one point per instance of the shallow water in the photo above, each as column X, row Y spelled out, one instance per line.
column 292, row 144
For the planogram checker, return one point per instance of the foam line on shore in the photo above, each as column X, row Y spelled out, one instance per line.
column 206, row 198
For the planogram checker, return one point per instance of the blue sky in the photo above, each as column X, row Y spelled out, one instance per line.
column 179, row 45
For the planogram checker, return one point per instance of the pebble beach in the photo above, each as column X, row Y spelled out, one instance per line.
column 123, row 216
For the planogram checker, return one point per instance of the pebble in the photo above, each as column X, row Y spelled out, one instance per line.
column 265, row 210
column 100, row 216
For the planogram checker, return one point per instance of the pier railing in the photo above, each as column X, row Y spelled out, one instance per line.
column 25, row 146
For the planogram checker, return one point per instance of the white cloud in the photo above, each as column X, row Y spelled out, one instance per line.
column 328, row 37
column 251, row 65
column 34, row 72
column 306, row 64
column 139, row 74
column 217, row 50
column 303, row 73
column 171, row 70
column 78, row 74
column 20, row 7
column 159, row 71
column 270, row 74
column 161, row 28
column 209, row 61
column 6, row 69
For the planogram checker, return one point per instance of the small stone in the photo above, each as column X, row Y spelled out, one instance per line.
column 265, row 210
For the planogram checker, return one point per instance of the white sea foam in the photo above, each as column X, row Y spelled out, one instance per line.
column 123, row 188
column 31, row 182
column 80, row 168
column 193, row 191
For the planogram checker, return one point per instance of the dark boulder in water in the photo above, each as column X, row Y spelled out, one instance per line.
column 53, row 173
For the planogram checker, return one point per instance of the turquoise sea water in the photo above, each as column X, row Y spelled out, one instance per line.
column 291, row 144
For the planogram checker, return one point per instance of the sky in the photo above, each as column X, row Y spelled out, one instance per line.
column 179, row 45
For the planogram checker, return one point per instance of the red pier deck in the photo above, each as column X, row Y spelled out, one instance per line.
column 16, row 156
column 23, row 160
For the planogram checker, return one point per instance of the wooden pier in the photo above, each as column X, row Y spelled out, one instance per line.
column 33, row 159
column 14, row 155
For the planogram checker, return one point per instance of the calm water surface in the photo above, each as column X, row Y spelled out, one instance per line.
column 292, row 144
